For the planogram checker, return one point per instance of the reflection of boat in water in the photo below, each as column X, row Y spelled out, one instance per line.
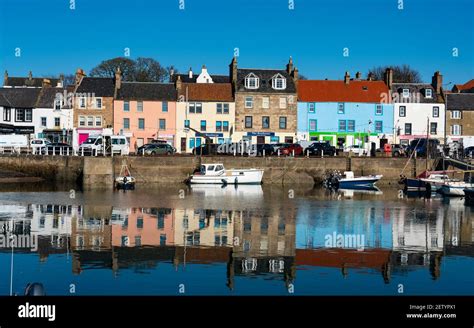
column 251, row 191
column 469, row 193
column 217, row 174
column 349, row 193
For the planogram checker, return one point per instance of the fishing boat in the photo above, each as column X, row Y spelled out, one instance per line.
column 427, row 181
column 125, row 180
column 349, row 181
column 469, row 196
column 217, row 174
column 455, row 188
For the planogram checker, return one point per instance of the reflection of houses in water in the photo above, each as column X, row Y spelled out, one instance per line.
column 91, row 234
column 264, row 243
column 201, row 227
column 134, row 227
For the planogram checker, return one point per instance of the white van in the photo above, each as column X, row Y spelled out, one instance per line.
column 94, row 145
column 13, row 140
column 38, row 144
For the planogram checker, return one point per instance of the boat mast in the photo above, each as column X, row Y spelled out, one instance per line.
column 427, row 141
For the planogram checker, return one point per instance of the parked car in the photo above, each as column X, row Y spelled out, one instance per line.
column 156, row 149
column 269, row 149
column 58, row 148
column 320, row 148
column 421, row 145
column 469, row 151
column 37, row 145
column 398, row 150
column 277, row 146
column 290, row 149
column 356, row 149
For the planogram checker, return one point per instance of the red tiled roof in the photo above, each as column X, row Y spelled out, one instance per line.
column 466, row 86
column 208, row 91
column 338, row 91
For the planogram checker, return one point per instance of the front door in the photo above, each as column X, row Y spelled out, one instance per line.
column 289, row 140
column 260, row 140
column 183, row 145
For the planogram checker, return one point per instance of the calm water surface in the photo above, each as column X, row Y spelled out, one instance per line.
column 235, row 241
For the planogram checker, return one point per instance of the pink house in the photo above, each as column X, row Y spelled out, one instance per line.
column 144, row 111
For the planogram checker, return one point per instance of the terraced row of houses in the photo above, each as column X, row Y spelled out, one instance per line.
column 258, row 105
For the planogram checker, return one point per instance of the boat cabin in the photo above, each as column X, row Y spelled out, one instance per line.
column 211, row 169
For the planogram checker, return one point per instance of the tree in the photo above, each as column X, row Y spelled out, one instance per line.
column 107, row 68
column 141, row 70
column 401, row 74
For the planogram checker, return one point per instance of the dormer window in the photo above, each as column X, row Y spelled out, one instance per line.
column 278, row 82
column 406, row 93
column 252, row 81
column 57, row 104
column 428, row 93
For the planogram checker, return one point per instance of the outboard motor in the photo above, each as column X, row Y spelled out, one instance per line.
column 34, row 289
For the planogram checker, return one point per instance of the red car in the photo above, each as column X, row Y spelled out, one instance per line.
column 288, row 149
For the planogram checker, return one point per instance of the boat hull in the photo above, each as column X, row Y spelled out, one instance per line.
column 455, row 189
column 230, row 177
column 362, row 183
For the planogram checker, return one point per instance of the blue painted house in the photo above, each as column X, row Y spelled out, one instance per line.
column 345, row 112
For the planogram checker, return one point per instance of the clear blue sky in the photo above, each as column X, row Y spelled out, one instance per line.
column 54, row 39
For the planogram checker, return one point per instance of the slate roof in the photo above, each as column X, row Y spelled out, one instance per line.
column 48, row 95
column 337, row 91
column 418, row 88
column 265, row 76
column 208, row 91
column 460, row 101
column 147, row 91
column 100, row 86
column 19, row 97
column 27, row 82
column 215, row 78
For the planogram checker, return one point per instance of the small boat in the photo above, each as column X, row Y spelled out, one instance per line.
column 217, row 174
column 469, row 194
column 125, row 180
column 455, row 188
column 427, row 181
column 349, row 181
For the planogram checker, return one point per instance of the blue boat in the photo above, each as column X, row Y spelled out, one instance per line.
column 348, row 181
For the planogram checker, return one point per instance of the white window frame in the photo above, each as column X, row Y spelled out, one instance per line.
column 248, row 103
column 138, row 107
column 252, row 81
column 95, row 121
column 429, row 93
column 266, row 102
column 457, row 116
column 404, row 111
column 90, row 119
column 283, row 103
column 456, row 130
column 406, row 93
column 57, row 118
column 433, row 111
column 45, row 121
column 101, row 103
column 82, row 102
column 278, row 82
column 56, row 103
column 82, row 120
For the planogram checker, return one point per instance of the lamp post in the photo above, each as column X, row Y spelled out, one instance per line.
column 12, row 241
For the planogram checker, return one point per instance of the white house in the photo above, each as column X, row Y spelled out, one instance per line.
column 419, row 110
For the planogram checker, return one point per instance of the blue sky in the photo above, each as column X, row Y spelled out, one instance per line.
column 54, row 39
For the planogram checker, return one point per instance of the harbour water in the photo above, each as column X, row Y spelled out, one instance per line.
column 250, row 240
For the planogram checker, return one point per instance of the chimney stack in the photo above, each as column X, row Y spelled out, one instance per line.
column 295, row 77
column 79, row 75
column 60, row 81
column 437, row 82
column 30, row 75
column 370, row 77
column 233, row 71
column 179, row 85
column 190, row 73
column 46, row 83
column 347, row 78
column 289, row 66
column 171, row 72
column 5, row 78
column 358, row 75
column 388, row 77
column 118, row 78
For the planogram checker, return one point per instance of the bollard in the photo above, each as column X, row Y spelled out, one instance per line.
column 263, row 153
column 307, row 153
column 278, row 152
column 293, row 153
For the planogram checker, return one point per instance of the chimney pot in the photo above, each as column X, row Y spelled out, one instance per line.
column 190, row 73
column 347, row 78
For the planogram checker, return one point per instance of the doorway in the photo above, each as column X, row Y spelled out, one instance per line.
column 183, row 145
column 260, row 140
